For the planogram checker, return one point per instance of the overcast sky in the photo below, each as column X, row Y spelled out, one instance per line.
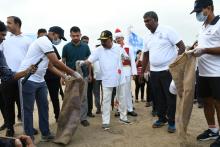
column 94, row 16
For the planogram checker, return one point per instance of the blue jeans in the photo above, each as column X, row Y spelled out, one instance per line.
column 30, row 92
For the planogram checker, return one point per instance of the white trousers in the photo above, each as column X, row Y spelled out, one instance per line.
column 107, row 96
column 128, row 95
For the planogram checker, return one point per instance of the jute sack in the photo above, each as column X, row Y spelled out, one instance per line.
column 183, row 74
column 70, row 113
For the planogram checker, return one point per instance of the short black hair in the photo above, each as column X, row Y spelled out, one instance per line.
column 2, row 27
column 85, row 37
column 75, row 29
column 138, row 51
column 151, row 14
column 42, row 30
column 17, row 20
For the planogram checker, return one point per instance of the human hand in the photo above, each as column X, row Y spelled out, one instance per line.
column 80, row 63
column 32, row 69
column 197, row 52
column 25, row 139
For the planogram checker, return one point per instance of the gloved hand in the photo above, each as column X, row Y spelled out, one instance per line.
column 80, row 62
column 197, row 52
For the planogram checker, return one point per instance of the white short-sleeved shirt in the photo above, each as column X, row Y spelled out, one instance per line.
column 162, row 47
column 38, row 49
column 209, row 37
column 15, row 48
column 110, row 62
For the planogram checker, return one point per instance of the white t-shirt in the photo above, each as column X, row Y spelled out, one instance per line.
column 162, row 47
column 130, row 70
column 15, row 48
column 38, row 49
column 110, row 62
column 209, row 37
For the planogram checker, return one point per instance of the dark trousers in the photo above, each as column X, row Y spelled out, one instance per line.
column 10, row 93
column 150, row 94
column 2, row 107
column 90, row 96
column 138, row 86
column 165, row 101
column 53, row 86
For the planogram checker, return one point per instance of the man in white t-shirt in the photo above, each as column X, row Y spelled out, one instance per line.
column 208, row 53
column 129, row 69
column 110, row 57
column 15, row 48
column 35, row 87
column 160, row 50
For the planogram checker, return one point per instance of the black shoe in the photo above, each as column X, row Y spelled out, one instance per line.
column 35, row 131
column 117, row 114
column 132, row 113
column 2, row 127
column 207, row 135
column 216, row 143
column 98, row 111
column 90, row 115
column 85, row 123
column 10, row 133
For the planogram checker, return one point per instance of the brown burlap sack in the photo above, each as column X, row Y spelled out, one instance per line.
column 70, row 113
column 183, row 73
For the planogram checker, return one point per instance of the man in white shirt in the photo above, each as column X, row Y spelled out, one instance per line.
column 160, row 50
column 129, row 69
column 110, row 57
column 35, row 87
column 14, row 48
column 208, row 53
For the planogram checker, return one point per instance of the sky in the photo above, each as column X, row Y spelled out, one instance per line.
column 94, row 16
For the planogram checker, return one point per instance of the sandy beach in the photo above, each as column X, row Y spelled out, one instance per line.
column 139, row 134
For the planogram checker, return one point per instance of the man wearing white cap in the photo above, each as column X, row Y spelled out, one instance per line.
column 129, row 69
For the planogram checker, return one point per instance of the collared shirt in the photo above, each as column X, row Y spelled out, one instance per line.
column 72, row 53
column 5, row 72
column 209, row 37
column 162, row 47
column 15, row 48
column 110, row 61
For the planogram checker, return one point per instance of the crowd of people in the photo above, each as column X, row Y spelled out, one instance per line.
column 108, row 71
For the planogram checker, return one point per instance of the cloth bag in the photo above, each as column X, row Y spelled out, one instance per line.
column 69, row 117
column 183, row 74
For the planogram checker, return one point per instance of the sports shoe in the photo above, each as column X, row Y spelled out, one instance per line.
column 47, row 138
column 171, row 128
column 132, row 113
column 158, row 124
column 127, row 122
column 105, row 126
column 216, row 143
column 207, row 135
column 85, row 123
